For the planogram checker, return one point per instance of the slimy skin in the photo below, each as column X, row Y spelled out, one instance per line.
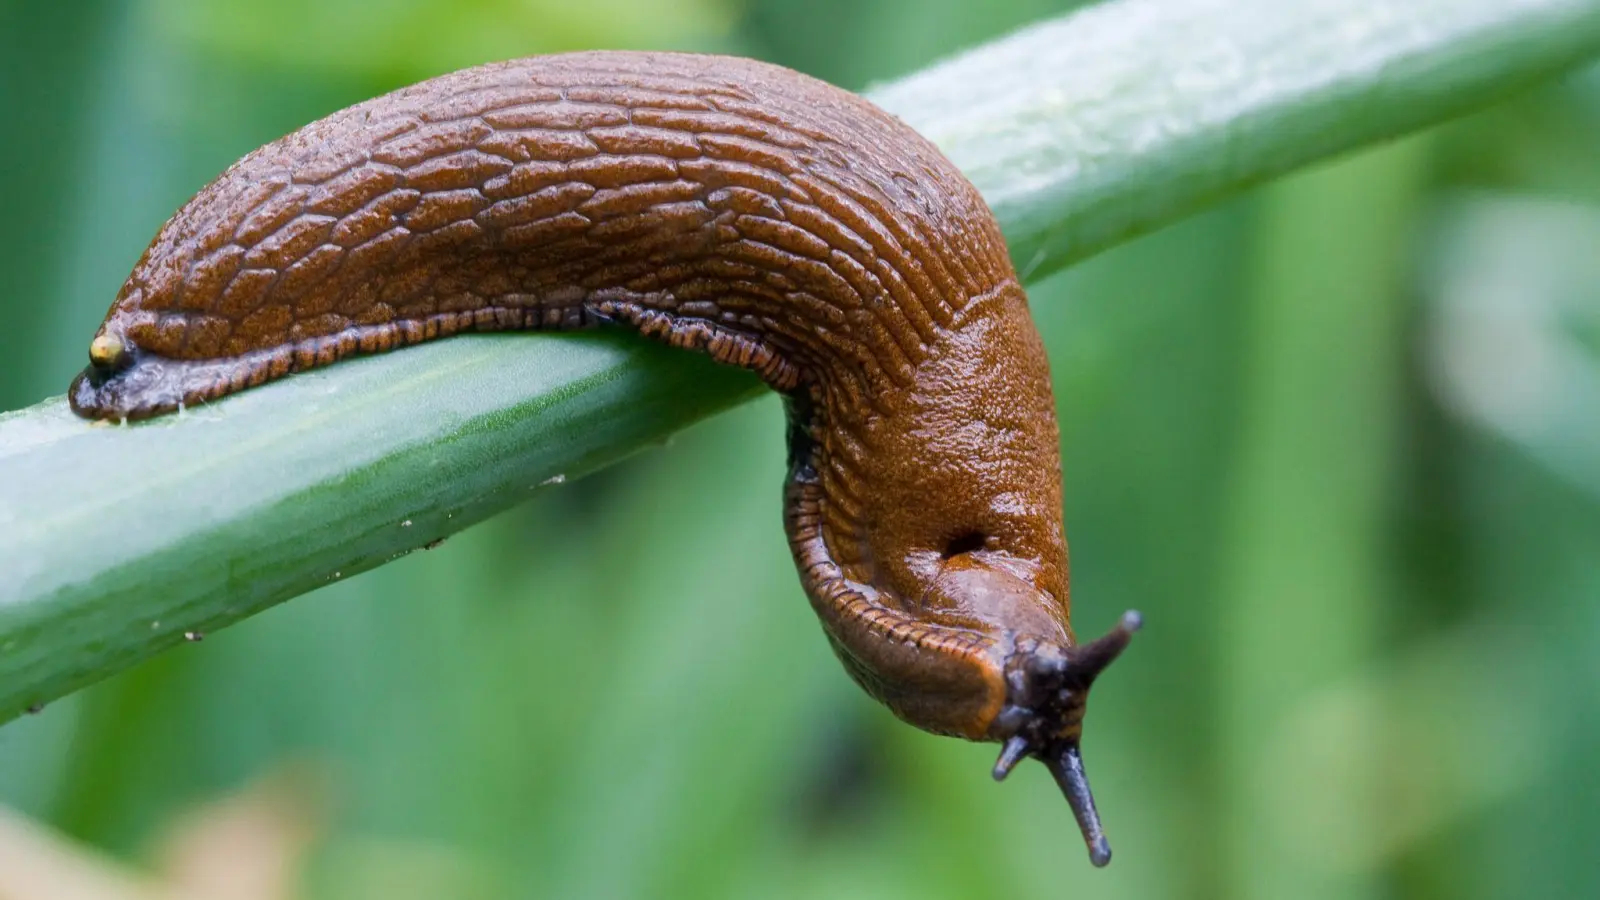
column 721, row 205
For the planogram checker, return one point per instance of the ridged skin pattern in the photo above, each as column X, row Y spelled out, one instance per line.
column 722, row 205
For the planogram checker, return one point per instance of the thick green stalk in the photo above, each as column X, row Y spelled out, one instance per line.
column 1095, row 127
column 1081, row 132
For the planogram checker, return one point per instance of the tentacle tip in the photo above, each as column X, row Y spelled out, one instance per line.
column 1090, row 659
column 1100, row 852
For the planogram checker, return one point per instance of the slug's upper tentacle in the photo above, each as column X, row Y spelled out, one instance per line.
column 723, row 205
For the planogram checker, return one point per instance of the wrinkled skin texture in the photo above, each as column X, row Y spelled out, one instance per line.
column 721, row 205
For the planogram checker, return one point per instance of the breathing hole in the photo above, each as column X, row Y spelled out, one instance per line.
column 964, row 543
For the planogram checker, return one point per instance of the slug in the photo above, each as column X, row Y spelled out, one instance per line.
column 721, row 205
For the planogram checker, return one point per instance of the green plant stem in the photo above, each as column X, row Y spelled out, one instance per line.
column 1081, row 132
column 1099, row 126
column 1304, row 568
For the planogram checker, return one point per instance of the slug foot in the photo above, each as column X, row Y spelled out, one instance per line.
column 722, row 344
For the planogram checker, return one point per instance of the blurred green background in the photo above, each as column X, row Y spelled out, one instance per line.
column 1339, row 440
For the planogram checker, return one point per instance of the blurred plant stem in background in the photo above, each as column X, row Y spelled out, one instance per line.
column 49, row 72
column 1306, row 583
column 1374, row 615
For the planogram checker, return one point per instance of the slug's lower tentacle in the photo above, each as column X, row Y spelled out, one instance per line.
column 723, row 206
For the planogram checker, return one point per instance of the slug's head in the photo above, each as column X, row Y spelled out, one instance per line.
column 1047, row 688
column 1037, row 684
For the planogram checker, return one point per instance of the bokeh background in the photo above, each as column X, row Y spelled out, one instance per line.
column 1339, row 439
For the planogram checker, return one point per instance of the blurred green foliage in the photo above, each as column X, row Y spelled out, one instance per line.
column 1340, row 441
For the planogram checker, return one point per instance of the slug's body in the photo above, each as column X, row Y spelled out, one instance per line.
column 723, row 205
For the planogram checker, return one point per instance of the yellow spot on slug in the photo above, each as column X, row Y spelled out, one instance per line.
column 105, row 351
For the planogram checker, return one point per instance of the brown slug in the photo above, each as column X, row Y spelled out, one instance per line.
column 722, row 205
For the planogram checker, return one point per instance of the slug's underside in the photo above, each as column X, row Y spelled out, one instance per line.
column 721, row 205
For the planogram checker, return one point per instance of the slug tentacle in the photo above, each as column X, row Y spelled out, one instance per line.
column 1049, row 687
column 721, row 205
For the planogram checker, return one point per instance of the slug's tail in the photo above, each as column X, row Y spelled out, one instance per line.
column 1047, row 722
